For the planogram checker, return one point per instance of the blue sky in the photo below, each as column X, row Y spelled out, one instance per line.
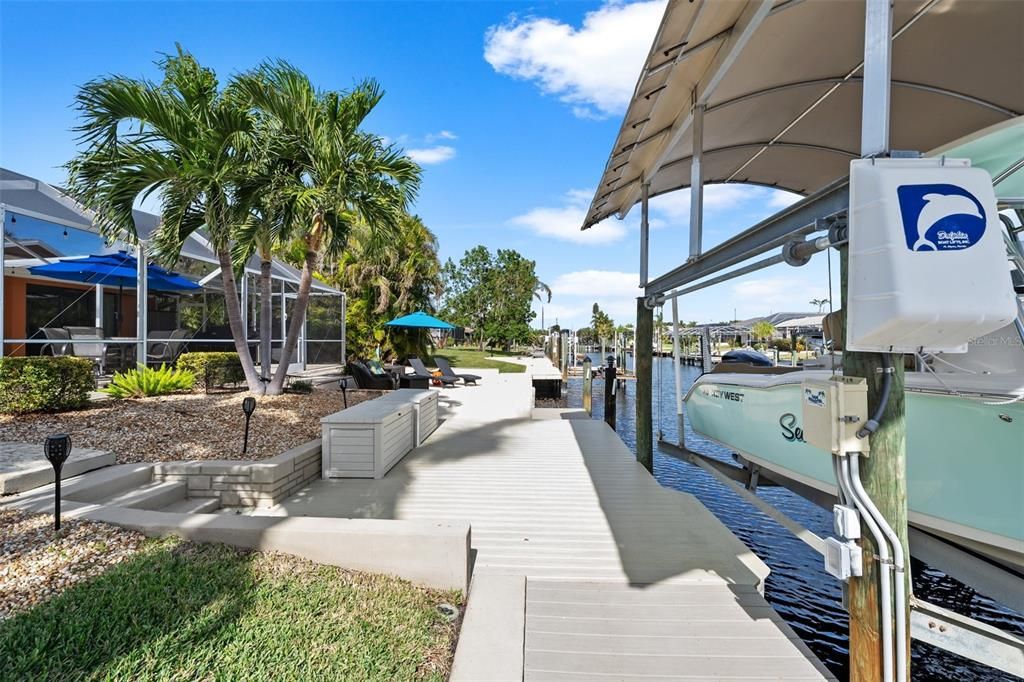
column 510, row 107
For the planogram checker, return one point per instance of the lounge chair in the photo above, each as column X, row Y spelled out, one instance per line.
column 87, row 342
column 365, row 379
column 56, row 335
column 446, row 370
column 421, row 371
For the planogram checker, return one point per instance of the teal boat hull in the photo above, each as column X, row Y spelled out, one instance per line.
column 965, row 458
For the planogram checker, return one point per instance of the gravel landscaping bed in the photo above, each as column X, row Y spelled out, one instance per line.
column 36, row 563
column 186, row 426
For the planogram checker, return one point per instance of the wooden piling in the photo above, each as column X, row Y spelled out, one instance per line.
column 642, row 368
column 883, row 474
column 588, row 386
column 609, row 392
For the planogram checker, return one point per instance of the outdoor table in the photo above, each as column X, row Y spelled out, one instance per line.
column 126, row 351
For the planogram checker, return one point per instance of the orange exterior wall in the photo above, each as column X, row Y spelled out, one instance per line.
column 16, row 315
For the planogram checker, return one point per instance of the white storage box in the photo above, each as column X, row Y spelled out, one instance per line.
column 424, row 403
column 366, row 440
column 927, row 266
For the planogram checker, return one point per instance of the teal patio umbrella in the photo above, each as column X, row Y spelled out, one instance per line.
column 419, row 320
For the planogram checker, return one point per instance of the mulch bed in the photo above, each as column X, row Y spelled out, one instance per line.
column 37, row 563
column 186, row 426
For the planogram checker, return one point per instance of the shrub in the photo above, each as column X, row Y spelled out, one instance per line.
column 146, row 381
column 300, row 387
column 44, row 383
column 213, row 369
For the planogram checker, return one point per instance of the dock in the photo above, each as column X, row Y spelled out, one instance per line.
column 584, row 567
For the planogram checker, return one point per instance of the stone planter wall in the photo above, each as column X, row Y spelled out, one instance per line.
column 246, row 484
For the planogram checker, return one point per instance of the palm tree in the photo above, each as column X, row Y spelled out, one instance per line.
column 181, row 141
column 762, row 330
column 328, row 174
column 820, row 302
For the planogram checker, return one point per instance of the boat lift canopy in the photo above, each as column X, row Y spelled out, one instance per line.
column 769, row 92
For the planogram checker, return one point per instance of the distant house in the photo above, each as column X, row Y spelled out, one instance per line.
column 41, row 225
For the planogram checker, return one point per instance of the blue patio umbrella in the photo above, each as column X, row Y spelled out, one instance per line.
column 113, row 269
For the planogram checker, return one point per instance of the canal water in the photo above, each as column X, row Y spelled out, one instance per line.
column 807, row 597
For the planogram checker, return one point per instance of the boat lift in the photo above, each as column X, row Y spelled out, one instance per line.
column 743, row 93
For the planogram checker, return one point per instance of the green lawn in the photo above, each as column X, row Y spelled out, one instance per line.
column 183, row 611
column 472, row 358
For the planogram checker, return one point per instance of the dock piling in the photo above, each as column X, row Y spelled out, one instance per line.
column 609, row 392
column 642, row 368
column 588, row 386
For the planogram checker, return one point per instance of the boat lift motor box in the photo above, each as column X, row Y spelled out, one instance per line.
column 927, row 261
column 833, row 410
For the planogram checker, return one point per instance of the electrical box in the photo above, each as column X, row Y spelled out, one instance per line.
column 833, row 410
column 927, row 261
column 846, row 521
column 843, row 559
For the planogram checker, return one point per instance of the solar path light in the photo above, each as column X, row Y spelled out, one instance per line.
column 57, row 448
column 248, row 407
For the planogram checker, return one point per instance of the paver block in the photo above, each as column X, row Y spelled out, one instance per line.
column 23, row 466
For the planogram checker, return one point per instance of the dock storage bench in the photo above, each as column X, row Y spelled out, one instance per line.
column 366, row 440
column 424, row 402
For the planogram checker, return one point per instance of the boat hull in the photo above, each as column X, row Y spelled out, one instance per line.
column 965, row 458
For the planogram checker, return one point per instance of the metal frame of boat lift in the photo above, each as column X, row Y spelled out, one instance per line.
column 788, row 230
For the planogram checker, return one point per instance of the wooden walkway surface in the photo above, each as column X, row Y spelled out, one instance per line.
column 625, row 580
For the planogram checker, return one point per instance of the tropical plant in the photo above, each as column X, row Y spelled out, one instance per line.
column 182, row 141
column 324, row 174
column 386, row 278
column 602, row 324
column 763, row 330
column 146, row 381
column 820, row 302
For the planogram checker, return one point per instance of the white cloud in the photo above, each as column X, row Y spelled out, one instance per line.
column 780, row 198
column 772, row 291
column 593, row 67
column 574, row 294
column 596, row 283
column 563, row 222
column 440, row 135
column 432, row 155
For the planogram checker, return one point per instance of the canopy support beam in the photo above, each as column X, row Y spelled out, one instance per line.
column 677, row 362
column 644, row 233
column 697, row 182
column 141, row 298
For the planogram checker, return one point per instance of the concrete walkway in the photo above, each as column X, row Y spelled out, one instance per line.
column 585, row 567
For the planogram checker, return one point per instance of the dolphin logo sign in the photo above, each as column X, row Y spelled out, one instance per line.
column 940, row 217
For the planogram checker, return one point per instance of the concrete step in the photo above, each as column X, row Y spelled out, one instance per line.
column 151, row 496
column 195, row 505
column 98, row 485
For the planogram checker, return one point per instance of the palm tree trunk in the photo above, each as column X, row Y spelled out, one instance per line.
column 266, row 312
column 298, row 318
column 238, row 332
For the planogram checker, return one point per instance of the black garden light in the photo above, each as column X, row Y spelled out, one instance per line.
column 57, row 448
column 248, row 407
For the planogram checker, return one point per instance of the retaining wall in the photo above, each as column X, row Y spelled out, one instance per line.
column 248, row 484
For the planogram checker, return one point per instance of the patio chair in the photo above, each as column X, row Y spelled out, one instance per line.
column 87, row 342
column 365, row 379
column 421, row 371
column 446, row 370
column 55, row 334
column 167, row 346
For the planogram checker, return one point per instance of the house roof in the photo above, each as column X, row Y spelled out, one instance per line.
column 24, row 195
column 781, row 84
